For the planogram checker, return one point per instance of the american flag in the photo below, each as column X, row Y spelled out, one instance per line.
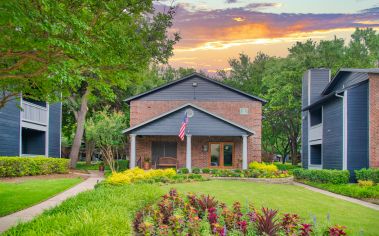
column 182, row 130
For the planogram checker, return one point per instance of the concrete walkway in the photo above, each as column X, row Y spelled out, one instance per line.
column 28, row 214
column 349, row 199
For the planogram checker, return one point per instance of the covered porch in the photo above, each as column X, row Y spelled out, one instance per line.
column 210, row 141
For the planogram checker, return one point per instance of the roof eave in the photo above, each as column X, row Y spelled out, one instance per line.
column 181, row 107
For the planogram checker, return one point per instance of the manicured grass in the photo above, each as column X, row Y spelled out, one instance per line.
column 20, row 195
column 103, row 211
column 293, row 199
column 120, row 165
column 350, row 190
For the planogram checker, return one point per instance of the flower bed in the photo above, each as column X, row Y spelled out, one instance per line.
column 137, row 175
column 250, row 173
column 196, row 215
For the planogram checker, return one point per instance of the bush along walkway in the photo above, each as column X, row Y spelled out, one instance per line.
column 28, row 214
column 349, row 199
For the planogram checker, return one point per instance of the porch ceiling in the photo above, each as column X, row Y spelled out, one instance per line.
column 202, row 123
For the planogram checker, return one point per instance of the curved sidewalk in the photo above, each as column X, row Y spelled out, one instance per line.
column 28, row 214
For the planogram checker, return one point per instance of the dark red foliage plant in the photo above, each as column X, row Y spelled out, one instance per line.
column 194, row 215
column 337, row 230
column 267, row 223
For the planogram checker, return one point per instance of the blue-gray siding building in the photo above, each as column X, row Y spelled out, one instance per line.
column 337, row 128
column 30, row 128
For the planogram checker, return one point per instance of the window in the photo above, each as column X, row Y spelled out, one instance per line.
column 244, row 111
column 316, row 154
column 316, row 116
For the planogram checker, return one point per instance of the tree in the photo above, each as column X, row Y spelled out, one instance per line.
column 104, row 130
column 83, row 50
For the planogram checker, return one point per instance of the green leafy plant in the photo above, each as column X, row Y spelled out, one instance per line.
column 183, row 171
column 323, row 176
column 205, row 170
column 22, row 166
column 196, row 170
column 367, row 174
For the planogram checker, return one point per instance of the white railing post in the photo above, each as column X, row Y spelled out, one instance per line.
column 244, row 152
column 188, row 153
column 132, row 163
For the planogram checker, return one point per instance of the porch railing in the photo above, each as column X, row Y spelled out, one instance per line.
column 34, row 113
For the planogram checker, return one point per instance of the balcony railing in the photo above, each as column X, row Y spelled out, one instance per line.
column 34, row 113
column 315, row 132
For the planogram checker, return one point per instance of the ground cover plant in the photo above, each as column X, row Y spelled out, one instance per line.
column 137, row 175
column 15, row 196
column 315, row 208
column 192, row 214
column 107, row 210
column 23, row 166
column 366, row 192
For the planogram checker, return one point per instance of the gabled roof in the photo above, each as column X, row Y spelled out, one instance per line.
column 341, row 71
column 199, row 76
column 181, row 107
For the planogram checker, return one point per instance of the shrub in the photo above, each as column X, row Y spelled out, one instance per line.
column 137, row 174
column 287, row 167
column 365, row 183
column 251, row 173
column 23, row 166
column 196, row 170
column 323, row 176
column 367, row 174
column 183, row 171
column 213, row 171
column 263, row 166
column 205, row 171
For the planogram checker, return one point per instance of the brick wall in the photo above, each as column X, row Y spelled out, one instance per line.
column 374, row 119
column 141, row 111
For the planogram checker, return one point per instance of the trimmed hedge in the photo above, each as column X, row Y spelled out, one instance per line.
column 367, row 174
column 22, row 166
column 323, row 176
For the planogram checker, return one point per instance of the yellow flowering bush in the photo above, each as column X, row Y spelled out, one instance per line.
column 263, row 167
column 137, row 174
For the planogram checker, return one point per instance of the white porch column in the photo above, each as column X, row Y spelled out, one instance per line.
column 188, row 153
column 244, row 152
column 132, row 163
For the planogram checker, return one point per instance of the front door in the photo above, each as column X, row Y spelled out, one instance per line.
column 221, row 154
column 162, row 149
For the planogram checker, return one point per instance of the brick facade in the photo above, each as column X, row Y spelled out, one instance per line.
column 374, row 120
column 141, row 111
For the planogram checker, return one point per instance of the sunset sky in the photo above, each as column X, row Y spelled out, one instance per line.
column 213, row 31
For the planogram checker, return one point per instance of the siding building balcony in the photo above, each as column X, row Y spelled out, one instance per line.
column 315, row 133
column 34, row 116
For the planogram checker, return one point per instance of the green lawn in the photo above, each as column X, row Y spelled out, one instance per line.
column 103, row 211
column 290, row 198
column 17, row 196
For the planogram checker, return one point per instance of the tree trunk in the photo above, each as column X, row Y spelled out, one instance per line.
column 294, row 156
column 81, row 118
column 89, row 151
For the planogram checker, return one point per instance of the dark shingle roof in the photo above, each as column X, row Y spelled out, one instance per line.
column 200, row 76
